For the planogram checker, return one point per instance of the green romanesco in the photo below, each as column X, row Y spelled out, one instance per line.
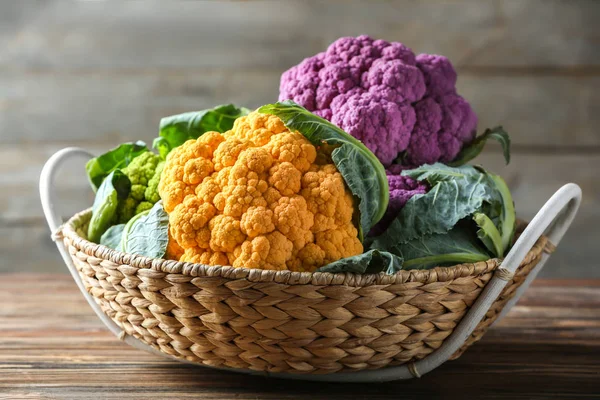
column 151, row 193
column 144, row 173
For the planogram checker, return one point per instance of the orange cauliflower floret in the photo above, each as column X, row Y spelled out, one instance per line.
column 257, row 196
column 174, row 250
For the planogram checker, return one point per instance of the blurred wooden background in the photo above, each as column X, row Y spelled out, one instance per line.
column 94, row 74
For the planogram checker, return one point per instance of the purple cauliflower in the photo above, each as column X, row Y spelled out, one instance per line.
column 380, row 93
column 402, row 188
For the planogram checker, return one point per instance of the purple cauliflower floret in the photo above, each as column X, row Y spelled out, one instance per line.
column 402, row 188
column 359, row 112
column 380, row 93
column 440, row 76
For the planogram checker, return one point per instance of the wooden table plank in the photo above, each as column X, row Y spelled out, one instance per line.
column 52, row 346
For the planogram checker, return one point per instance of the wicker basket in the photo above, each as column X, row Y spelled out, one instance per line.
column 282, row 321
column 289, row 322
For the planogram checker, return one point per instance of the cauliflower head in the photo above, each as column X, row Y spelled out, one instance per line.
column 381, row 93
column 257, row 196
column 144, row 173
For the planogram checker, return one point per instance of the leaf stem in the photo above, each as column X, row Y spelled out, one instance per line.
column 445, row 258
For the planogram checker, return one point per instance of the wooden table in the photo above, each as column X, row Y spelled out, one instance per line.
column 53, row 346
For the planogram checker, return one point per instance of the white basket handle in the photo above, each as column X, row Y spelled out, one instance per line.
column 47, row 195
column 49, row 171
column 557, row 215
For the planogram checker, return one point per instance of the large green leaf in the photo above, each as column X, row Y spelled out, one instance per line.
column 459, row 245
column 115, row 187
column 438, row 172
column 112, row 237
column 99, row 167
column 147, row 234
column 370, row 262
column 362, row 171
column 456, row 193
column 177, row 129
column 473, row 149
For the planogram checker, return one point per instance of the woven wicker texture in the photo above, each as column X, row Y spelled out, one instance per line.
column 281, row 321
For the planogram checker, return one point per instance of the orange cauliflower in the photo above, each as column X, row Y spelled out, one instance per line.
column 257, row 196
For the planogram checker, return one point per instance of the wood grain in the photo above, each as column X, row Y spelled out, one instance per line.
column 100, row 107
column 52, row 346
column 259, row 34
